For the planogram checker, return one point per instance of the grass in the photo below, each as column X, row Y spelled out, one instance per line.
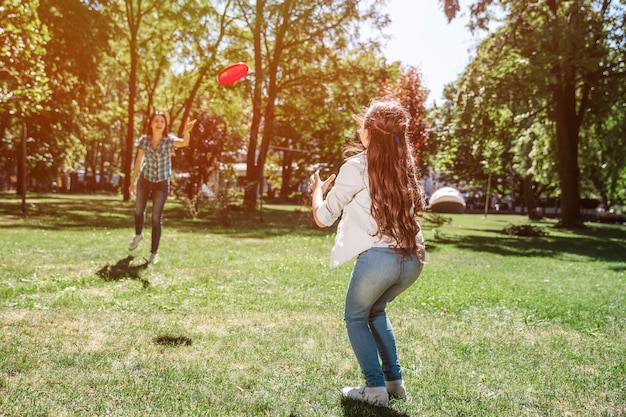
column 246, row 320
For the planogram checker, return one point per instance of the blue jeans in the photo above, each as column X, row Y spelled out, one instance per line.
column 159, row 192
column 377, row 278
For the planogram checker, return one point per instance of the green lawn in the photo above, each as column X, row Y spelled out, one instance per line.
column 246, row 319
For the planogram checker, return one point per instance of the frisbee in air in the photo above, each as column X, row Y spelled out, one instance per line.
column 233, row 73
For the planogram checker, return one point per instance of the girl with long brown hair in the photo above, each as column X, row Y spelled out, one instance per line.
column 377, row 194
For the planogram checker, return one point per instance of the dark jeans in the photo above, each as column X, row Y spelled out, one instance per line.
column 158, row 191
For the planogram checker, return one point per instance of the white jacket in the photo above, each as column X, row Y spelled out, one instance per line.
column 350, row 195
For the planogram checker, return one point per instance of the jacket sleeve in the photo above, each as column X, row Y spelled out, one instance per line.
column 348, row 184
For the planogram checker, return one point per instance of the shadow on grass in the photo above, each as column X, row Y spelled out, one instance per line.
column 68, row 211
column 354, row 408
column 124, row 270
column 62, row 211
column 248, row 226
column 598, row 244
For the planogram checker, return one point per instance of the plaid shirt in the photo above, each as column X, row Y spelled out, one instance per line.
column 157, row 163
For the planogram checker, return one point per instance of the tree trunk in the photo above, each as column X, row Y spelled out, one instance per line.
column 130, row 132
column 268, row 131
column 134, row 21
column 22, row 177
column 254, row 174
column 534, row 213
column 567, row 152
column 189, row 101
column 252, row 178
column 287, row 170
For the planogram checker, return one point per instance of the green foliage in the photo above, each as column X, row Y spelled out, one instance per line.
column 436, row 221
column 203, row 155
column 66, row 40
column 312, row 129
column 603, row 160
column 297, row 44
column 528, row 95
column 23, row 77
column 408, row 89
column 525, row 230
column 226, row 195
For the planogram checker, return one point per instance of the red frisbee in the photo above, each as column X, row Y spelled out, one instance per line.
column 233, row 73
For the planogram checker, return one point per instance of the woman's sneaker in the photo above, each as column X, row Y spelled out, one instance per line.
column 133, row 243
column 396, row 389
column 373, row 395
column 154, row 258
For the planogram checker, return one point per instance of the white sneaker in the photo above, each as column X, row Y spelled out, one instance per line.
column 154, row 258
column 396, row 389
column 373, row 395
column 133, row 243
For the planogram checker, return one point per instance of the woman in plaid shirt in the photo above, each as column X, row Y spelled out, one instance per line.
column 154, row 163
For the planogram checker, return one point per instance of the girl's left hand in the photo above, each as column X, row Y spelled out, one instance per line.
column 189, row 125
column 316, row 182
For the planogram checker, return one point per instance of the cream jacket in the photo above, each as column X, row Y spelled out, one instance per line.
column 350, row 199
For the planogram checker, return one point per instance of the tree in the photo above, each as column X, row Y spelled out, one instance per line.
column 135, row 12
column 408, row 89
column 314, row 127
column 79, row 36
column 546, row 59
column 206, row 29
column 23, row 80
column 282, row 32
column 204, row 153
column 602, row 146
column 170, row 50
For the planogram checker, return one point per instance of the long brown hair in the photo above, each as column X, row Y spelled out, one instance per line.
column 395, row 190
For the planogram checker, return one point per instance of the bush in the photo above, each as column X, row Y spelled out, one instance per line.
column 525, row 230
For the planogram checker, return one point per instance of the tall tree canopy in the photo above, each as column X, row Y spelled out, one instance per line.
column 24, row 84
column 292, row 39
column 52, row 52
column 553, row 61
column 23, row 81
column 408, row 89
